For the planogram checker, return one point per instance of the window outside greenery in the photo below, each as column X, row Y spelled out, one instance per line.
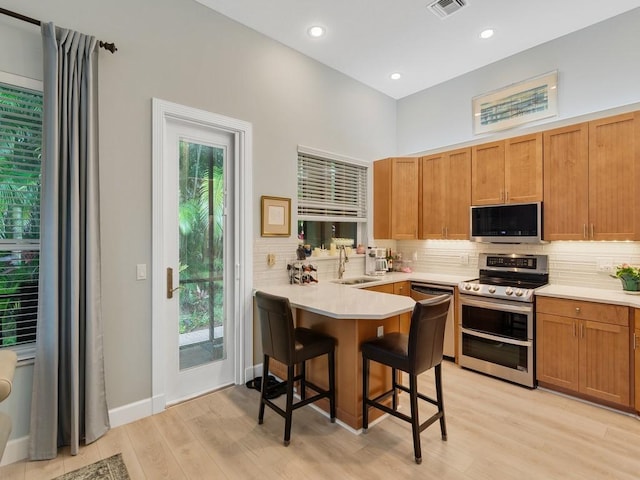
column 201, row 224
column 20, row 173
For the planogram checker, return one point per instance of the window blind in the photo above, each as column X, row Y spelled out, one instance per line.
column 330, row 188
column 20, row 173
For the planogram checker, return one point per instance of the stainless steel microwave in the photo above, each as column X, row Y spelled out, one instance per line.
column 508, row 223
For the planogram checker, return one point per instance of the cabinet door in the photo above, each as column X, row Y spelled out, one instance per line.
column 614, row 174
column 566, row 183
column 404, row 199
column 487, row 173
column 636, row 350
column 458, row 194
column 382, row 198
column 604, row 361
column 433, row 188
column 403, row 288
column 557, row 351
column 523, row 169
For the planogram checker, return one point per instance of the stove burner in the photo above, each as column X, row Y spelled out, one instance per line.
column 509, row 277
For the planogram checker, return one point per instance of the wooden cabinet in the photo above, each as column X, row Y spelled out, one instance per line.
column 583, row 347
column 507, row 171
column 636, row 351
column 566, row 182
column 395, row 199
column 445, row 195
column 403, row 288
column 591, row 180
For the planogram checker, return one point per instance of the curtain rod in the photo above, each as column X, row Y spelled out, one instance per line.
column 107, row 46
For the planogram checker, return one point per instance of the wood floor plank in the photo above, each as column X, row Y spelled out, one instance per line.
column 497, row 431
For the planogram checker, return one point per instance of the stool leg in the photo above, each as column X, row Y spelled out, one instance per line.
column 303, row 381
column 415, row 421
column 365, row 394
column 289, row 406
column 263, row 390
column 332, row 386
column 394, row 385
column 440, row 401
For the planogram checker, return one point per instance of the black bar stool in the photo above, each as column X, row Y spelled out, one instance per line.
column 292, row 346
column 414, row 354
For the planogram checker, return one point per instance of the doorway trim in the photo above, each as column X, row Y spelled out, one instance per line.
column 162, row 111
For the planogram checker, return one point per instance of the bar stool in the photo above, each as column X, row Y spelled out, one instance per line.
column 414, row 354
column 292, row 346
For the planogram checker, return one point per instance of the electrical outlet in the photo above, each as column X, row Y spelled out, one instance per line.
column 463, row 259
column 380, row 331
column 271, row 259
column 604, row 265
column 141, row 271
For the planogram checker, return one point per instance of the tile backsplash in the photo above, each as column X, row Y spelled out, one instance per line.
column 570, row 263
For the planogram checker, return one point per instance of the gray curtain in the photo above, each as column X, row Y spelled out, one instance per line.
column 69, row 403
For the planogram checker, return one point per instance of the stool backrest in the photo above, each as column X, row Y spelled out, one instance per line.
column 426, row 334
column 276, row 325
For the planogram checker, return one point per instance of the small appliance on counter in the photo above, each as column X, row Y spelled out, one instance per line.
column 375, row 261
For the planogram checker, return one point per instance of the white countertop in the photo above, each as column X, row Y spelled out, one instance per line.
column 354, row 301
column 616, row 297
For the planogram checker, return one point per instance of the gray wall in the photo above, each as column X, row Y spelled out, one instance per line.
column 598, row 69
column 180, row 51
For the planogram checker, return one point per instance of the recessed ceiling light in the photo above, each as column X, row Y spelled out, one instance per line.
column 395, row 76
column 488, row 33
column 316, row 31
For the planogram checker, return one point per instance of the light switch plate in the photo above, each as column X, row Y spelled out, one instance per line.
column 141, row 271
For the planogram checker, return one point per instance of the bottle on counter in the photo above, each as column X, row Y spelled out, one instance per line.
column 389, row 261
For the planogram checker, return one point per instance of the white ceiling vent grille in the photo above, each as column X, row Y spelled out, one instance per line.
column 444, row 8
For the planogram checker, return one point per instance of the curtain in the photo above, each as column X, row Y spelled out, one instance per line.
column 69, row 402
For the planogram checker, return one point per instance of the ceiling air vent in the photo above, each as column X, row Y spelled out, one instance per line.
column 444, row 8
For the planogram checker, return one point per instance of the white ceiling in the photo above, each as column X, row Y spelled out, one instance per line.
column 370, row 39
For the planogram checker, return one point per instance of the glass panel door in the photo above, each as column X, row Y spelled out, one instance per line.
column 201, row 254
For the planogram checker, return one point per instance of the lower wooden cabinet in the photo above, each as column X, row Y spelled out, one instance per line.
column 583, row 347
column 636, row 351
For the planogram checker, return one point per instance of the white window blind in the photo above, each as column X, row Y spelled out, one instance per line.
column 20, row 172
column 331, row 189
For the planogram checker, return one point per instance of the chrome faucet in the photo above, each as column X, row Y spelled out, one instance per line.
column 341, row 261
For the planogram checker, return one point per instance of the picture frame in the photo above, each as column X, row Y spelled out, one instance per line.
column 522, row 102
column 275, row 217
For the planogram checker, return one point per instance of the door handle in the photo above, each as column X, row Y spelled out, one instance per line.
column 170, row 288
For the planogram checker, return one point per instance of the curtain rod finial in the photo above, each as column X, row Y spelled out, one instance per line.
column 108, row 46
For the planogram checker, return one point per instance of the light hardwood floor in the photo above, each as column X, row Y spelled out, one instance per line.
column 496, row 431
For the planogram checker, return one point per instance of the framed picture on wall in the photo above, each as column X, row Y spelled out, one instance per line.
column 516, row 104
column 276, row 216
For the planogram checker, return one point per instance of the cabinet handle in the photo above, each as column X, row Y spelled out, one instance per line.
column 506, row 196
column 584, row 230
column 635, row 341
column 592, row 231
column 443, row 233
column 581, row 330
column 446, row 232
column 574, row 329
column 502, row 195
column 578, row 310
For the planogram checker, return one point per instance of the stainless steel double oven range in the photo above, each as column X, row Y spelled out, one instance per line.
column 497, row 316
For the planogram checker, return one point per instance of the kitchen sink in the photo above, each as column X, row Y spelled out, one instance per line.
column 356, row 281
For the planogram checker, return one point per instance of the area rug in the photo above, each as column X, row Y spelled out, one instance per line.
column 112, row 468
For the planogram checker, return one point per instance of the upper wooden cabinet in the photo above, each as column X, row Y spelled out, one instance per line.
column 395, row 198
column 507, row 171
column 445, row 195
column 591, row 180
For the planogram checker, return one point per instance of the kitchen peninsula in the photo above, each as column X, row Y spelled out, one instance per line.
column 350, row 315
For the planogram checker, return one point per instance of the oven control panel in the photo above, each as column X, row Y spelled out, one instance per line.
column 497, row 291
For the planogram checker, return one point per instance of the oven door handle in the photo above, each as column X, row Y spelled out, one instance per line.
column 510, row 341
column 528, row 308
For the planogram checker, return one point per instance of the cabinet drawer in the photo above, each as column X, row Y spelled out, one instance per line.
column 597, row 312
column 386, row 288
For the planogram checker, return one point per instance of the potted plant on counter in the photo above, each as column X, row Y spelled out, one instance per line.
column 630, row 278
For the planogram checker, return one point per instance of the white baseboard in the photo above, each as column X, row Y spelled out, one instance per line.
column 131, row 412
